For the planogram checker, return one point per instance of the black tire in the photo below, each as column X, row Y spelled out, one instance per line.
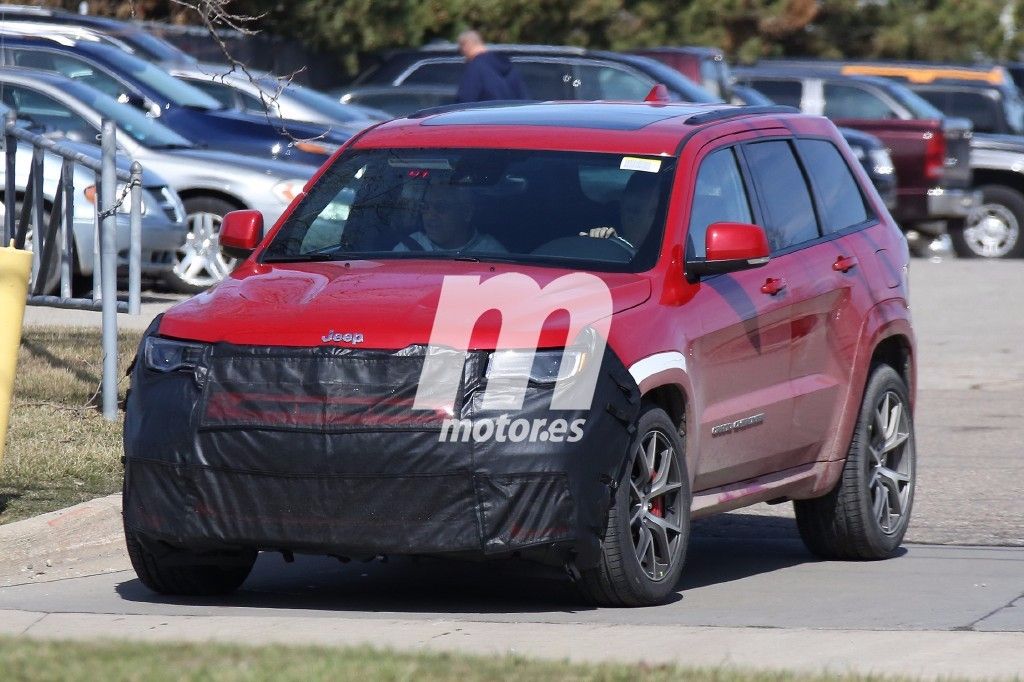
column 194, row 285
column 620, row 579
column 180, row 572
column 846, row 523
column 1005, row 207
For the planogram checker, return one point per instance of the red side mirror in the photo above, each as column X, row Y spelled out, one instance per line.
column 240, row 233
column 659, row 93
column 731, row 247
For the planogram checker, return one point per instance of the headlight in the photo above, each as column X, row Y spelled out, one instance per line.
column 881, row 161
column 542, row 367
column 287, row 190
column 167, row 355
column 317, row 147
column 125, row 207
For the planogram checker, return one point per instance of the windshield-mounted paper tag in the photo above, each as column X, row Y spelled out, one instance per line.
column 635, row 163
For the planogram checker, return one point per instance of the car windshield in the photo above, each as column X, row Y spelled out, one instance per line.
column 175, row 91
column 918, row 106
column 592, row 211
column 130, row 121
column 321, row 103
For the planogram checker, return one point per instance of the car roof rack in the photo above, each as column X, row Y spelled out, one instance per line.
column 459, row 106
column 733, row 112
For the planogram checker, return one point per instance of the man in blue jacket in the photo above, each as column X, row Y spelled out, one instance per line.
column 488, row 76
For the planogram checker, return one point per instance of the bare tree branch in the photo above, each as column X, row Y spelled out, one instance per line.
column 214, row 16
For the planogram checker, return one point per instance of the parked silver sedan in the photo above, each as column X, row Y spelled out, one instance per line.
column 210, row 183
column 264, row 94
column 163, row 216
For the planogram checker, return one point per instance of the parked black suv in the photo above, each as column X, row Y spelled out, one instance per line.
column 550, row 72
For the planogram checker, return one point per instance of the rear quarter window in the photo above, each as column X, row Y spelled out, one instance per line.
column 839, row 196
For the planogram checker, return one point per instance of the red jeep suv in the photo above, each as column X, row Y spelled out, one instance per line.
column 558, row 331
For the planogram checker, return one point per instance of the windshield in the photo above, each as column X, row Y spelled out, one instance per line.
column 918, row 106
column 130, row 121
column 177, row 92
column 568, row 209
column 1013, row 105
column 322, row 103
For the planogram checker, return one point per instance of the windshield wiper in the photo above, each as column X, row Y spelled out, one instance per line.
column 302, row 258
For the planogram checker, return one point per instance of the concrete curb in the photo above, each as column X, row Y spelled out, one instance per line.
column 85, row 539
column 927, row 654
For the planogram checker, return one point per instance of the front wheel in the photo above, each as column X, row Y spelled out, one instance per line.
column 866, row 515
column 198, row 263
column 649, row 522
column 993, row 229
column 181, row 572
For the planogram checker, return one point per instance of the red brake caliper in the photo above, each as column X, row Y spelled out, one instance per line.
column 658, row 504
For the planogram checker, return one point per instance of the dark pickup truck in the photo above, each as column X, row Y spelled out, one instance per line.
column 931, row 152
column 993, row 230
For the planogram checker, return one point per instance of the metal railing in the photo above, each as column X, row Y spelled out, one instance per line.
column 58, row 233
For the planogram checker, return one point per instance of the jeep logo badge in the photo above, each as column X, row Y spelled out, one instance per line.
column 342, row 337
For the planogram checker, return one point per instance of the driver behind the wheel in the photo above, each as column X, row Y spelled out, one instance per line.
column 637, row 211
column 447, row 217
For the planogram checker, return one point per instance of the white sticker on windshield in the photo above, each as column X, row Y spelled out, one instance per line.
column 635, row 163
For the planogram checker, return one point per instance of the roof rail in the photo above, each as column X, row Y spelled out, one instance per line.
column 721, row 114
column 459, row 106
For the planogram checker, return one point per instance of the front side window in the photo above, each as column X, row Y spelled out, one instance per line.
column 789, row 213
column 219, row 91
column 841, row 201
column 602, row 212
column 545, row 80
column 611, row 82
column 845, row 101
column 718, row 196
column 436, row 73
column 47, row 113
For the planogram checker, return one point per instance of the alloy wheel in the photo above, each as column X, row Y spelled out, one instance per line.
column 199, row 262
column 890, row 469
column 655, row 511
column 992, row 231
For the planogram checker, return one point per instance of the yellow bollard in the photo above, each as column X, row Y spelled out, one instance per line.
column 15, row 269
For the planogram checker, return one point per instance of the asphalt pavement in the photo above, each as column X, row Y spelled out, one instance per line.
column 750, row 596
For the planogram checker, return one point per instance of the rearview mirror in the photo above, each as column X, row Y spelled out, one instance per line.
column 730, row 247
column 240, row 233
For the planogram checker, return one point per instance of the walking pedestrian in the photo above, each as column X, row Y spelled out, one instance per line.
column 488, row 76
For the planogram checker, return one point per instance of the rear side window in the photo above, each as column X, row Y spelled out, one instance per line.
column 718, row 196
column 841, row 201
column 779, row 91
column 789, row 214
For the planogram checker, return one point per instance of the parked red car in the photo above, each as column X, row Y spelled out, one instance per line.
column 556, row 331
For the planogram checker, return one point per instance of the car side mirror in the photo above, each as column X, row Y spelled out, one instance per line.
column 240, row 233
column 730, row 247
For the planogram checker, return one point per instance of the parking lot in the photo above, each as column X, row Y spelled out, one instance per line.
column 746, row 570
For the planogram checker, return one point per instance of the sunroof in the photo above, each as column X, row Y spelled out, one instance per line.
column 594, row 116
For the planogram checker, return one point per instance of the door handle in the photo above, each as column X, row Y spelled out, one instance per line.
column 773, row 285
column 844, row 264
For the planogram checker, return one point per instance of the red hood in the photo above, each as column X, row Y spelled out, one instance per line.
column 391, row 303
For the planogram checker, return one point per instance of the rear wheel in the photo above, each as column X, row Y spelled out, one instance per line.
column 181, row 572
column 199, row 264
column 993, row 229
column 649, row 522
column 866, row 515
